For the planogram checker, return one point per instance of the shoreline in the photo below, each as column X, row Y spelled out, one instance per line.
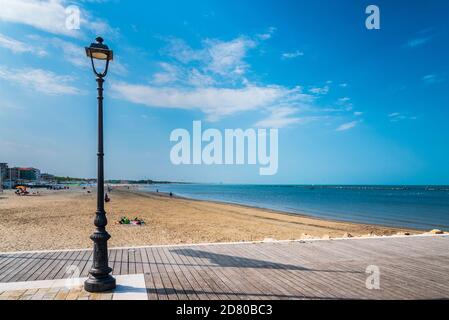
column 56, row 220
column 278, row 211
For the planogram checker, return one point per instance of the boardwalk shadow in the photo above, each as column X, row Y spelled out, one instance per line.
column 128, row 289
column 224, row 260
column 232, row 261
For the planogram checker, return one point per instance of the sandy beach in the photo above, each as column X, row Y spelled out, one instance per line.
column 64, row 220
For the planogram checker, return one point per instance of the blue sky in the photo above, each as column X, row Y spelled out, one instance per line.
column 353, row 106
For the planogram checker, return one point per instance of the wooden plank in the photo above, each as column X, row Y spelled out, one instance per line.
column 131, row 261
column 88, row 257
column 415, row 268
column 255, row 284
column 31, row 260
column 67, row 260
column 11, row 267
column 111, row 256
column 81, row 260
column 227, row 289
column 272, row 276
column 404, row 270
column 174, row 279
column 350, row 282
column 206, row 282
column 148, row 276
column 6, row 260
column 233, row 280
column 118, row 262
column 171, row 292
column 157, row 288
column 257, row 281
column 296, row 275
column 124, row 262
column 160, row 290
column 53, row 263
column 138, row 261
column 371, row 256
column 60, row 265
column 184, row 276
column 197, row 283
column 34, row 272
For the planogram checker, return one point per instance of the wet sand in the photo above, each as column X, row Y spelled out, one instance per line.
column 64, row 220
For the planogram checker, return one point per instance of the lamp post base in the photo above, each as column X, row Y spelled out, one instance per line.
column 101, row 284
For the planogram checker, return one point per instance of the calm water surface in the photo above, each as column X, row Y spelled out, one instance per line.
column 422, row 207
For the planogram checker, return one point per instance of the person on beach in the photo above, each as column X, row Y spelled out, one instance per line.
column 106, row 198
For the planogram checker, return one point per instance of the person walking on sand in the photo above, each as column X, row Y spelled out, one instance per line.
column 106, row 198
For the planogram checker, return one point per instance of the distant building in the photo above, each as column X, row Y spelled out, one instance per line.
column 3, row 171
column 47, row 177
column 24, row 174
column 3, row 175
column 14, row 174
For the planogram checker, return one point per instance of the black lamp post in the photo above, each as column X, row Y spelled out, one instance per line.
column 100, row 279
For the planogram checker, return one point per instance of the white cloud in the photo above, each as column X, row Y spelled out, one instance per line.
column 214, row 102
column 199, row 79
column 169, row 74
column 358, row 113
column 282, row 117
column 318, row 90
column 347, row 126
column 396, row 116
column 40, row 80
column 227, row 57
column 346, row 103
column 343, row 85
column 216, row 57
column 213, row 79
column 416, row 42
column 432, row 78
column 344, row 100
column 74, row 54
column 181, row 51
column 215, row 63
column 49, row 16
column 17, row 46
column 292, row 55
column 267, row 35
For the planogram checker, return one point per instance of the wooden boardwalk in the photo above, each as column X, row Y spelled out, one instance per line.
column 410, row 268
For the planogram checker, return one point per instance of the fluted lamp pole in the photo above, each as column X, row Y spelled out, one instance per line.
column 100, row 279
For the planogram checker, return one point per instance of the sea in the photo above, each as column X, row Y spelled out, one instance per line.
column 418, row 207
